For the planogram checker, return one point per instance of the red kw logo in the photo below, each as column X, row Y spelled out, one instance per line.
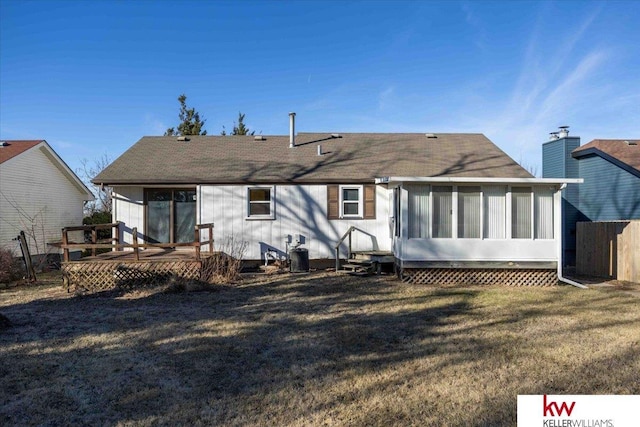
column 547, row 408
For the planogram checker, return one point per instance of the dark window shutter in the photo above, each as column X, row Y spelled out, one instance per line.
column 369, row 202
column 333, row 202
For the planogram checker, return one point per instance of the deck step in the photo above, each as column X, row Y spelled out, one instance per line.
column 358, row 269
column 361, row 261
column 377, row 256
column 359, row 273
column 356, row 266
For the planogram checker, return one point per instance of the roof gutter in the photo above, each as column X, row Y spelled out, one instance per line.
column 470, row 180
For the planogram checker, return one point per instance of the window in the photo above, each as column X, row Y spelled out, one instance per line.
column 260, row 203
column 521, row 213
column 351, row 201
column 494, row 211
column 543, row 213
column 442, row 211
column 469, row 212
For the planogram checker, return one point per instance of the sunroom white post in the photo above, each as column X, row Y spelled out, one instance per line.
column 404, row 219
column 198, row 204
column 482, row 218
column 454, row 212
column 532, row 213
column 508, row 226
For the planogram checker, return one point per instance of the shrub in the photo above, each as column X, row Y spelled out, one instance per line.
column 10, row 268
column 98, row 217
column 224, row 266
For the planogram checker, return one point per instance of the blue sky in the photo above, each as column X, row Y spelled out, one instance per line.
column 93, row 77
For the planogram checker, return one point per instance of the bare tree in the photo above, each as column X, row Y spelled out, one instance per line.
column 531, row 168
column 34, row 225
column 87, row 172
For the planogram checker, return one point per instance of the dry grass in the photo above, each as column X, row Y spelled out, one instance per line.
column 312, row 349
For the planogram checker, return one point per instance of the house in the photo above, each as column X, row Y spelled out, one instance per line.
column 611, row 172
column 447, row 207
column 39, row 194
column 610, row 169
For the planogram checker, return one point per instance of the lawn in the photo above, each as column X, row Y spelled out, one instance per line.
column 315, row 349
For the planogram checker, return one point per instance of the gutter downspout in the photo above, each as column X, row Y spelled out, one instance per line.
column 561, row 278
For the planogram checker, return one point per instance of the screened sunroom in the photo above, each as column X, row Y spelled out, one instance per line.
column 476, row 222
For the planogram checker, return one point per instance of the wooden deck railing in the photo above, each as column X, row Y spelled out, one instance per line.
column 114, row 243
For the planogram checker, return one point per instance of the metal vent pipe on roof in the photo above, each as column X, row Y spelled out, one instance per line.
column 292, row 130
column 563, row 132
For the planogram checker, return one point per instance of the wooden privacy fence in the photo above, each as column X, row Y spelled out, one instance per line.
column 609, row 249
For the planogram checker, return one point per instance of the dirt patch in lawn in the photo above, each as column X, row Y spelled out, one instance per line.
column 315, row 349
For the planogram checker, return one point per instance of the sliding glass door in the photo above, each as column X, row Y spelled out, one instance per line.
column 171, row 215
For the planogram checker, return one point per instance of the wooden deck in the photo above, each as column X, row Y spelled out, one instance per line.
column 121, row 269
column 137, row 264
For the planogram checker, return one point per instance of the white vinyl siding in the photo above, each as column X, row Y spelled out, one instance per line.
column 494, row 211
column 128, row 208
column 36, row 195
column 299, row 209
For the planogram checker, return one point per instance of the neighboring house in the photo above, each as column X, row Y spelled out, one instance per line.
column 39, row 195
column 610, row 169
column 435, row 201
column 611, row 172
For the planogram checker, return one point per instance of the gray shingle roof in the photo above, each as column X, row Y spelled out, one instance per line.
column 353, row 157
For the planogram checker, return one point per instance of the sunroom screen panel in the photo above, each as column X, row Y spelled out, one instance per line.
column 418, row 210
column 494, row 211
column 521, row 213
column 469, row 212
column 543, row 214
column 442, row 211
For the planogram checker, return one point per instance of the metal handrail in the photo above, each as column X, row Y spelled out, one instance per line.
column 344, row 236
column 337, row 248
